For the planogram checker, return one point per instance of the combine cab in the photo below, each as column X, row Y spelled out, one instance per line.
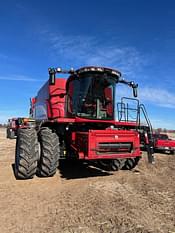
column 80, row 118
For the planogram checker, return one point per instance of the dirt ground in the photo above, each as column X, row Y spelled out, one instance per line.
column 87, row 199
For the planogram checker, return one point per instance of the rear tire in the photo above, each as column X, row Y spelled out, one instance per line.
column 10, row 134
column 50, row 153
column 7, row 133
column 117, row 164
column 131, row 163
column 27, row 154
column 112, row 164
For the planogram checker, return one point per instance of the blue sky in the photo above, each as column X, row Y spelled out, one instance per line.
column 137, row 37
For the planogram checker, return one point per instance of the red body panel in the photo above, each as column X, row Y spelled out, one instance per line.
column 56, row 100
column 84, row 120
column 105, row 144
column 162, row 142
column 165, row 144
column 13, row 124
column 81, row 120
column 50, row 101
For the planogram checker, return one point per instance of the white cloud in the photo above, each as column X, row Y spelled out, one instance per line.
column 158, row 97
column 87, row 50
column 126, row 59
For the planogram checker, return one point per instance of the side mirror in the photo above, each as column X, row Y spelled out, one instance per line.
column 52, row 76
column 135, row 92
column 52, row 79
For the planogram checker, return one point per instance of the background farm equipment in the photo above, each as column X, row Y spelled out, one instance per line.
column 163, row 143
column 16, row 123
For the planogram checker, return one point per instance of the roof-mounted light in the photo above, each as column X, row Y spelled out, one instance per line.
column 58, row 70
column 98, row 69
column 116, row 72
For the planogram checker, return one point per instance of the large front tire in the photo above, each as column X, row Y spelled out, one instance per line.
column 50, row 153
column 27, row 154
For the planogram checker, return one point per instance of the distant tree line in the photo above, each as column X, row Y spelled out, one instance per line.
column 3, row 125
column 163, row 130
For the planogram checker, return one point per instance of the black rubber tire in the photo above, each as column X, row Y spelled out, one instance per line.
column 117, row 164
column 112, row 164
column 7, row 133
column 131, row 163
column 50, row 153
column 27, row 154
column 10, row 134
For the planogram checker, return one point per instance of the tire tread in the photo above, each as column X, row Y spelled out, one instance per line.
column 50, row 153
column 26, row 154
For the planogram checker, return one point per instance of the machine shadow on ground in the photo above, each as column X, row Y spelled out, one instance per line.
column 13, row 169
column 78, row 170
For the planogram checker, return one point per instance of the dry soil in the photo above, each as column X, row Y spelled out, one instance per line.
column 85, row 199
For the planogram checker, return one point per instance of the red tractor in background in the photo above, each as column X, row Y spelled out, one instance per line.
column 79, row 118
column 16, row 123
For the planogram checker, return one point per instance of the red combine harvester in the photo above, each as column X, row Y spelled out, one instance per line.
column 80, row 118
column 16, row 123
